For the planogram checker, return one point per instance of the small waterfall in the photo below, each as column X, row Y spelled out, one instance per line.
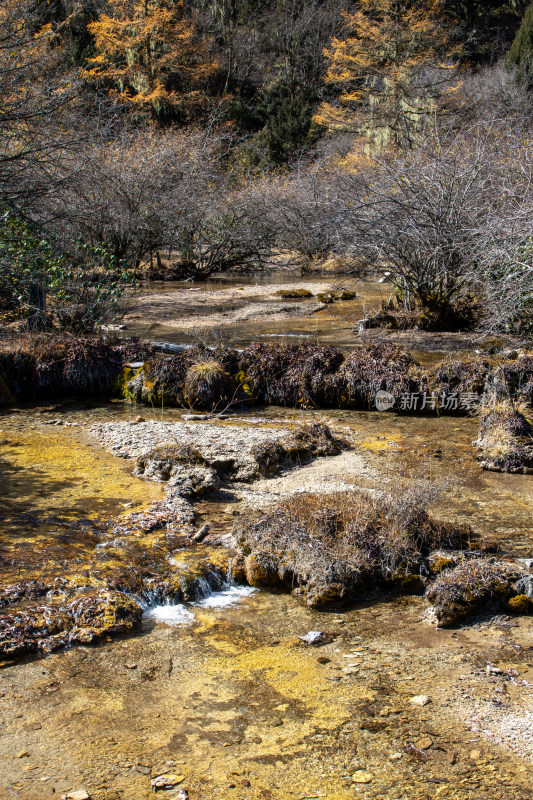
column 229, row 595
column 209, row 591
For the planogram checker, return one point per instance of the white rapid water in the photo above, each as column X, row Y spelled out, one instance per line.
column 170, row 614
column 176, row 614
column 229, row 596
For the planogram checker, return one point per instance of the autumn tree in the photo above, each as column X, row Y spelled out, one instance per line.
column 149, row 55
column 388, row 69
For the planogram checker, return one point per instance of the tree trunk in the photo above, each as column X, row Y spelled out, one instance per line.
column 37, row 306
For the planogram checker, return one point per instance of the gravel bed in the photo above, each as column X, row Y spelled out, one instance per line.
column 213, row 439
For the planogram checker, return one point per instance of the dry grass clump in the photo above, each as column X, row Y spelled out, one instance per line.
column 366, row 371
column 49, row 626
column 49, row 365
column 307, row 375
column 303, row 443
column 290, row 375
column 18, row 371
column 133, row 350
column 166, row 377
column 208, row 386
column 460, row 376
column 91, row 367
column 333, row 547
column 505, row 440
column 470, row 587
column 517, row 378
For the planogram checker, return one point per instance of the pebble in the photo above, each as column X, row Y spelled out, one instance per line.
column 362, row 776
column 167, row 781
column 131, row 665
column 79, row 794
column 22, row 754
column 313, row 637
column 420, row 700
column 424, row 743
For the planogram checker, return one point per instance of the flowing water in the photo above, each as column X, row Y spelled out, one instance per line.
column 220, row 692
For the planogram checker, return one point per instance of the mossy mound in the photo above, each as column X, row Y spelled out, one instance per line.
column 519, row 604
column 6, row 396
column 369, row 370
column 334, row 548
column 86, row 619
column 303, row 443
column 515, row 379
column 505, row 440
column 51, row 366
column 207, row 386
column 467, row 589
column 294, row 294
column 290, row 375
column 199, row 377
column 463, row 377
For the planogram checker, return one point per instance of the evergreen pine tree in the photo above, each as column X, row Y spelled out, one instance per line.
column 521, row 53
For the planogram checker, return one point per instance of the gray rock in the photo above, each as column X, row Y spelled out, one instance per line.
column 525, row 586
column 313, row 637
column 191, row 481
column 200, row 535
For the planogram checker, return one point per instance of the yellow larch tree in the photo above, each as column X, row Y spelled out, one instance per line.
column 149, row 55
column 390, row 67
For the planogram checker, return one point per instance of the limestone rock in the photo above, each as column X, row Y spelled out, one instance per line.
column 362, row 776
column 166, row 781
column 420, row 700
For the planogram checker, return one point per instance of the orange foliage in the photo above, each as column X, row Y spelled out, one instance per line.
column 149, row 54
column 390, row 68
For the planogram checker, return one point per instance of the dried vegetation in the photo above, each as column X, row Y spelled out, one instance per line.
column 337, row 547
column 303, row 443
column 505, row 441
column 470, row 587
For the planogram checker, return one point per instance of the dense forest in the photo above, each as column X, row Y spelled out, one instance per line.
column 176, row 138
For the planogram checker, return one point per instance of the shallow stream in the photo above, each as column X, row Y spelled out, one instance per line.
column 221, row 693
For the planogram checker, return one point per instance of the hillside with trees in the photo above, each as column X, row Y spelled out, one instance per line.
column 180, row 138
